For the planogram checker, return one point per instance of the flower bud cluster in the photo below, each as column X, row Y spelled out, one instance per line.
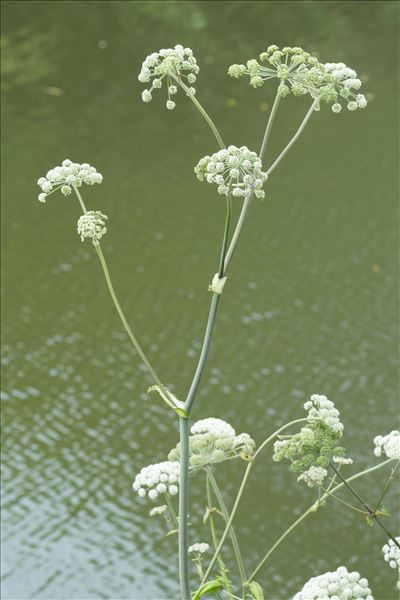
column 67, row 175
column 391, row 553
column 213, row 441
column 199, row 548
column 236, row 171
column 158, row 510
column 321, row 409
column 311, row 450
column 92, row 225
column 161, row 478
column 314, row 476
column 169, row 64
column 336, row 585
column 300, row 73
column 388, row 444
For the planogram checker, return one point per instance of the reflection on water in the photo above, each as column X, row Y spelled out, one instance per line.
column 310, row 308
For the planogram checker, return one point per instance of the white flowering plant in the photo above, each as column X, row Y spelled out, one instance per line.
column 315, row 452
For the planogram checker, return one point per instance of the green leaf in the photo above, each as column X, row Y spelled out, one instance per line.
column 211, row 587
column 256, row 591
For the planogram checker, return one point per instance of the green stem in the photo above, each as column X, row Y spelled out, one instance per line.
column 235, row 544
column 369, row 510
column 240, row 492
column 226, row 233
column 311, row 509
column 117, row 304
column 171, row 510
column 247, row 202
column 295, row 137
column 202, row 111
column 385, row 489
column 183, row 509
column 212, row 523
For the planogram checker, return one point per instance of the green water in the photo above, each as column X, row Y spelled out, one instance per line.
column 310, row 306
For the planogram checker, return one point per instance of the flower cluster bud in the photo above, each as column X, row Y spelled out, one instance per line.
column 312, row 449
column 388, row 444
column 92, row 225
column 199, row 548
column 336, row 585
column 236, row 171
column 161, row 478
column 213, row 441
column 169, row 64
column 300, row 74
column 66, row 176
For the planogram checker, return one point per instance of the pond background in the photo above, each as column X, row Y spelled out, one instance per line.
column 310, row 305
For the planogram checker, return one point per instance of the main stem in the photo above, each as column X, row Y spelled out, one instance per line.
column 117, row 304
column 183, row 509
column 235, row 544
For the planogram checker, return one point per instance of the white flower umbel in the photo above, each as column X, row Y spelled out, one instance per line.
column 336, row 585
column 391, row 553
column 300, row 73
column 199, row 548
column 213, row 441
column 161, row 478
column 322, row 409
column 388, row 444
column 212, row 425
column 92, row 225
column 311, row 451
column 158, row 510
column 66, row 176
column 314, row 476
column 169, row 65
column 236, row 171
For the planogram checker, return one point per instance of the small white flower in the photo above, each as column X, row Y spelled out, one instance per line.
column 146, row 96
column 388, row 444
column 199, row 548
column 336, row 585
column 42, row 197
column 170, row 105
column 340, row 460
column 352, row 105
column 92, row 225
column 336, row 108
column 158, row 510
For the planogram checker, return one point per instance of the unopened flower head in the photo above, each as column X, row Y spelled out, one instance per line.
column 169, row 66
column 336, row 585
column 314, row 476
column 320, row 408
column 161, row 478
column 158, row 510
column 391, row 553
column 92, row 225
column 213, row 441
column 388, row 444
column 300, row 73
column 65, row 177
column 236, row 171
column 312, row 449
column 199, row 548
